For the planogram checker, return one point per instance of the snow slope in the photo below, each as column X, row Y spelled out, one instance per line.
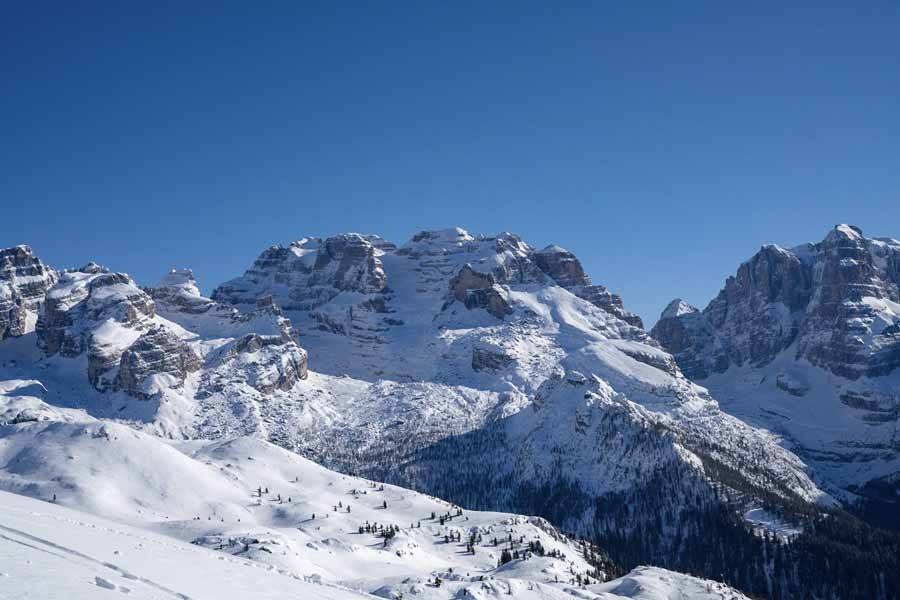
column 49, row 551
column 278, row 521
column 255, row 500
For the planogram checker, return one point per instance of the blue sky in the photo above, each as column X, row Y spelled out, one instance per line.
column 662, row 142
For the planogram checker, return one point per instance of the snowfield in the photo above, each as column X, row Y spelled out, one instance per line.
column 49, row 551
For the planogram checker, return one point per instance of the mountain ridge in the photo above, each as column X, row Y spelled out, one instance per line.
column 476, row 368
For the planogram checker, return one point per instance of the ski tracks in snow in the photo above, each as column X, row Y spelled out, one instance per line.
column 22, row 538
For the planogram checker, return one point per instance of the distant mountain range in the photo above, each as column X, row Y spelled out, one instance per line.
column 497, row 376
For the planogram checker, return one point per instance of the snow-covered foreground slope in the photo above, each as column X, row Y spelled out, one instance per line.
column 255, row 500
column 277, row 520
column 48, row 551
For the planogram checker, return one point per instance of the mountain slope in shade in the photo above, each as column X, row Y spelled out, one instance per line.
column 806, row 342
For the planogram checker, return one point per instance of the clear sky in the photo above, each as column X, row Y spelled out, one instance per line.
column 662, row 142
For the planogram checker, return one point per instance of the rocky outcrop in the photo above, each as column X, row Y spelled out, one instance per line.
column 565, row 269
column 13, row 314
column 265, row 363
column 349, row 263
column 157, row 353
column 686, row 333
column 478, row 290
column 81, row 302
column 562, row 266
column 311, row 272
column 835, row 303
column 94, row 311
column 178, row 291
column 612, row 303
column 24, row 281
column 856, row 301
column 487, row 359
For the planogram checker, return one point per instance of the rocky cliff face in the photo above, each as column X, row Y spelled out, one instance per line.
column 806, row 341
column 156, row 359
column 95, row 312
column 310, row 272
column 177, row 291
column 24, row 280
column 834, row 303
column 687, row 334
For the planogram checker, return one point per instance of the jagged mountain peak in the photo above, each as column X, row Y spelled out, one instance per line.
column 676, row 308
column 24, row 281
column 834, row 302
column 180, row 278
column 450, row 234
column 844, row 231
column 312, row 277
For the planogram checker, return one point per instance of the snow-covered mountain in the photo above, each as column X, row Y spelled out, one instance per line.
column 806, row 342
column 279, row 523
column 453, row 334
column 474, row 368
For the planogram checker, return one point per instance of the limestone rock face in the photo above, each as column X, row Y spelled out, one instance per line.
column 835, row 303
column 349, row 263
column 157, row 352
column 565, row 269
column 311, row 272
column 612, row 303
column 687, row 335
column 24, row 281
column 178, row 291
column 856, row 299
column 562, row 266
column 478, row 290
column 13, row 314
column 93, row 311
column 319, row 277
column 83, row 300
column 806, row 341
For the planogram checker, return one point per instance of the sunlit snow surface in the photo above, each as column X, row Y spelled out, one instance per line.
column 49, row 551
